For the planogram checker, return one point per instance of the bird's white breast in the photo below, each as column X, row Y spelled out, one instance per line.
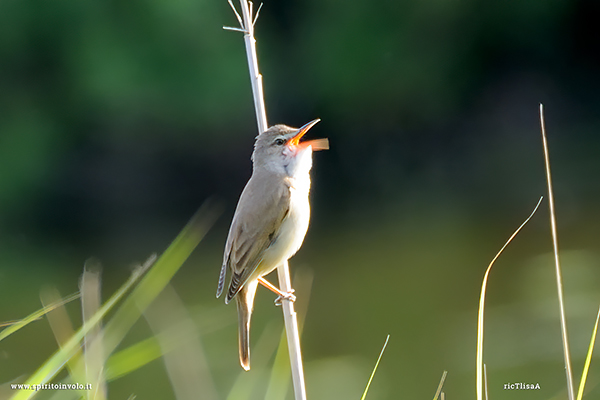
column 294, row 226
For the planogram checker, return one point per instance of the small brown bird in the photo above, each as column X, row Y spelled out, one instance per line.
column 270, row 221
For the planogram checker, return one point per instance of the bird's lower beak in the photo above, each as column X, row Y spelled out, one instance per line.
column 317, row 144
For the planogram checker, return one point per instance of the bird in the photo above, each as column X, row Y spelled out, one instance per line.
column 270, row 220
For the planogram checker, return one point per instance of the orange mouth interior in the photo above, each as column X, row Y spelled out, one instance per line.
column 317, row 144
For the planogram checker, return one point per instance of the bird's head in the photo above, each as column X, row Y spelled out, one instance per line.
column 281, row 145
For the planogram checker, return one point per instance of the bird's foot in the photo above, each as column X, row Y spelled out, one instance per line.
column 290, row 296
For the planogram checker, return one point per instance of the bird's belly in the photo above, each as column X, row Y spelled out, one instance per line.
column 290, row 237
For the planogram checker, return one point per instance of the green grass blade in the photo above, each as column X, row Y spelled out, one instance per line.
column 145, row 351
column 132, row 358
column 158, row 277
column 481, row 311
column 15, row 326
column 148, row 288
column 364, row 396
column 56, row 362
column 588, row 359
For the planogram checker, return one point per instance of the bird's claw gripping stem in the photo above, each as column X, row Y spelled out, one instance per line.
column 290, row 296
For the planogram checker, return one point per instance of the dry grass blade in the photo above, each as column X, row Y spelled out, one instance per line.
column 561, row 302
column 61, row 326
column 588, row 360
column 482, row 307
column 92, row 343
column 440, row 386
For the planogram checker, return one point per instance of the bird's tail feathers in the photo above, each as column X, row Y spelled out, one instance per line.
column 245, row 302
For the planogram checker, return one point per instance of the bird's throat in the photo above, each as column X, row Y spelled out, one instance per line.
column 299, row 164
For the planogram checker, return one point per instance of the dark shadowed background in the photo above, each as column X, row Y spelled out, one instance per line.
column 118, row 119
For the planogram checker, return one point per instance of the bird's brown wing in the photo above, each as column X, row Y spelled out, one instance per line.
column 255, row 226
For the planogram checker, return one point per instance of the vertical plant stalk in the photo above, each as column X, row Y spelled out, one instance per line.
column 292, row 332
column 279, row 381
column 561, row 303
column 289, row 314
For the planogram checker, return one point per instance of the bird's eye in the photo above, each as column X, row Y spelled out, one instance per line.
column 279, row 142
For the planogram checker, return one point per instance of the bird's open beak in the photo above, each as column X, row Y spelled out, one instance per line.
column 317, row 144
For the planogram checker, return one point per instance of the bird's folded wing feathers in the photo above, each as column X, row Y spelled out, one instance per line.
column 255, row 226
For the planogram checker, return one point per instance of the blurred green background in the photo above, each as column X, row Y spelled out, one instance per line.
column 118, row 119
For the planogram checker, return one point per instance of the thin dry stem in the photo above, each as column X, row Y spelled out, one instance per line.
column 283, row 273
column 561, row 302
column 480, row 315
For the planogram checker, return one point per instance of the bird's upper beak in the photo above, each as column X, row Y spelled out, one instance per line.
column 317, row 144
